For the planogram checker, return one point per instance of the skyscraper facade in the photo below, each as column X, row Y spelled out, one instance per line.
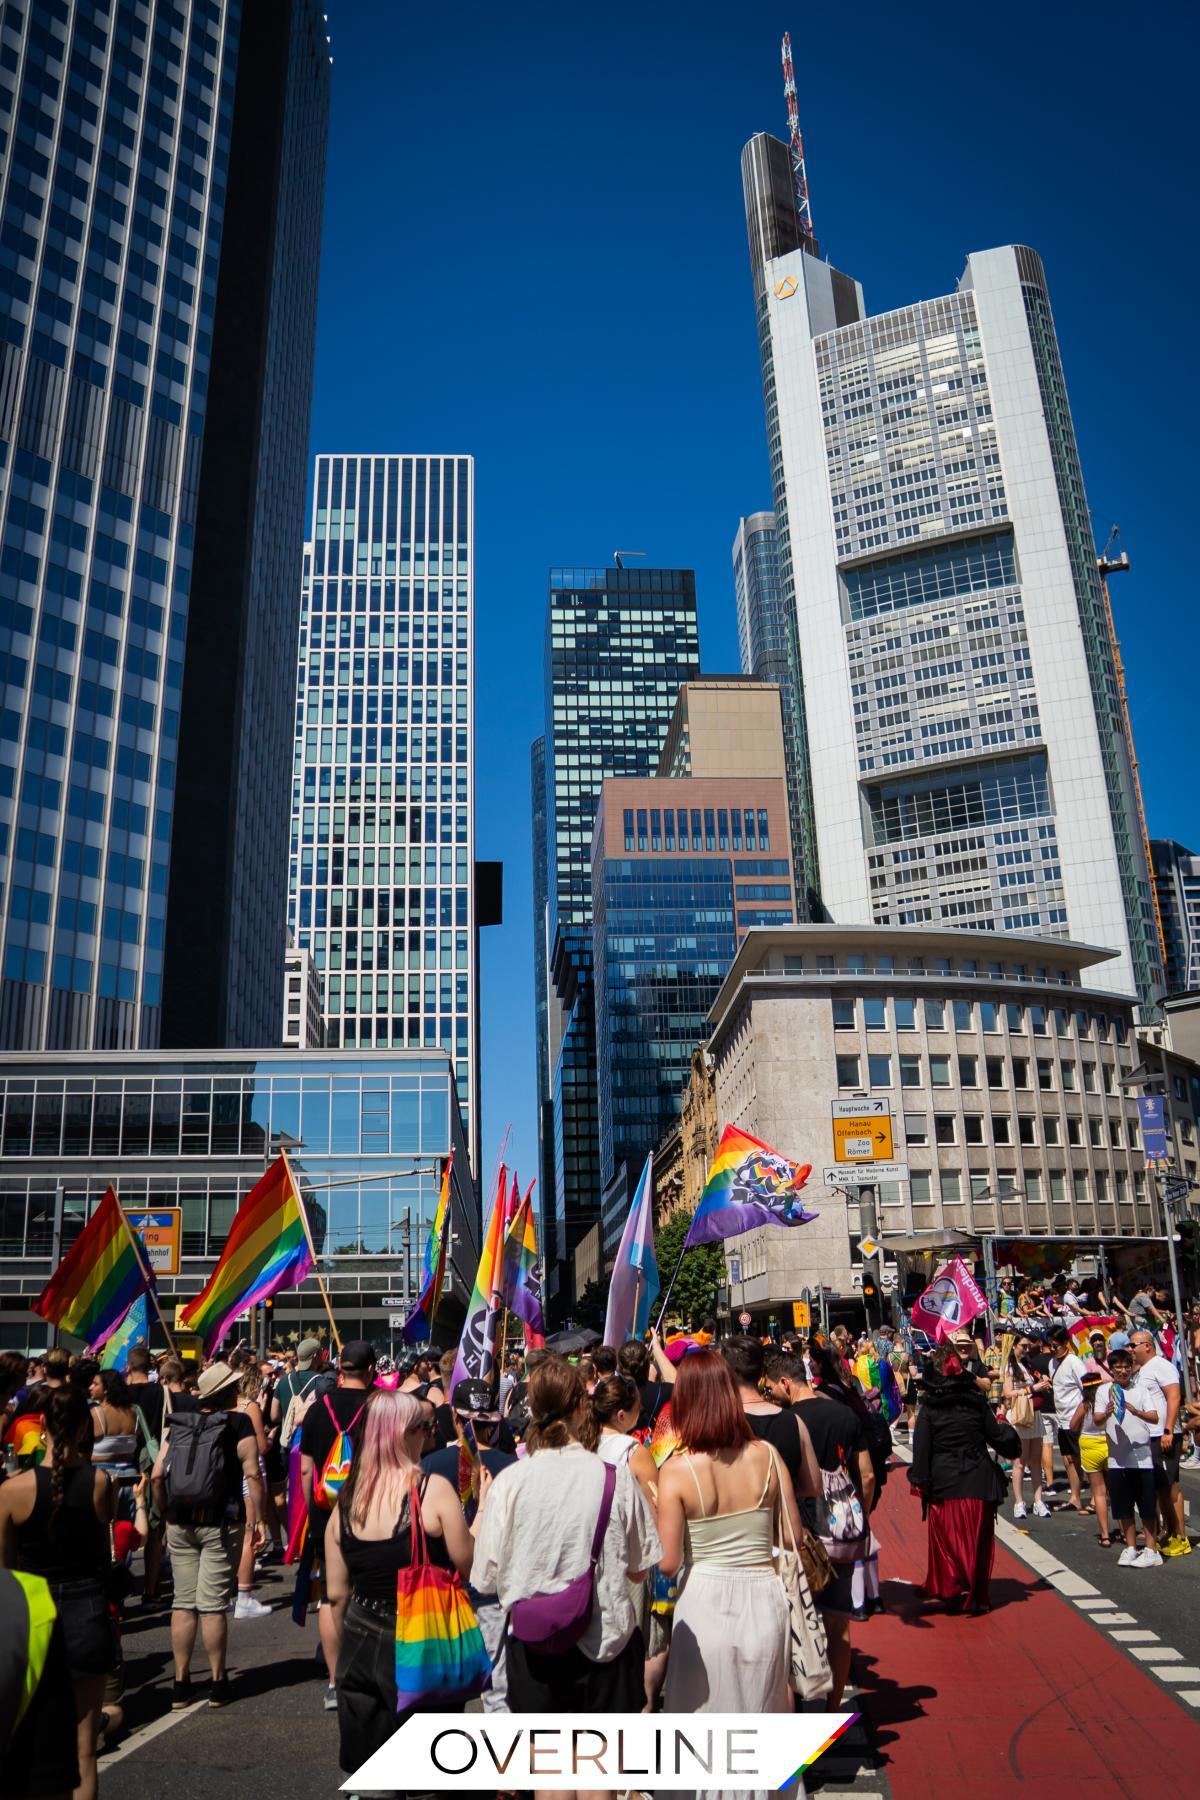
column 1177, row 882
column 684, row 863
column 619, row 645
column 768, row 650
column 134, row 136
column 541, row 1016
column 966, row 762
column 382, row 859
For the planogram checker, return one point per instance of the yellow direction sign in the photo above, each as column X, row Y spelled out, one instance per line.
column 865, row 1139
column 801, row 1315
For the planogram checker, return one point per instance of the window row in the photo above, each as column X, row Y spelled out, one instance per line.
column 964, row 1015
column 664, row 830
column 999, row 1128
column 997, row 1072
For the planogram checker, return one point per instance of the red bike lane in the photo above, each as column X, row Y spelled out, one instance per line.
column 1029, row 1698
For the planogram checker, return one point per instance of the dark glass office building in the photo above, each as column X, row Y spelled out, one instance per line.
column 541, row 1017
column 159, row 218
column 768, row 650
column 619, row 645
column 370, row 1133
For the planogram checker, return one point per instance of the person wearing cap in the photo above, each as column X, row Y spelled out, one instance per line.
column 329, row 1414
column 206, row 1542
column 474, row 1407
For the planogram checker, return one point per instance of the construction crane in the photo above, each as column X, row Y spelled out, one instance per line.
column 799, row 173
column 1112, row 560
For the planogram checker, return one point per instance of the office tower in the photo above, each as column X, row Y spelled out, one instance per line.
column 619, row 645
column 162, row 189
column 382, row 864
column 1177, row 884
column 541, row 1013
column 303, row 1014
column 768, row 650
column 963, row 757
column 684, row 862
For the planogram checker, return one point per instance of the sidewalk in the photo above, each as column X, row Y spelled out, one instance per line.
column 1030, row 1697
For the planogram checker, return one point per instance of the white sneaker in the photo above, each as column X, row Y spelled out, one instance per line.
column 1040, row 1510
column 1128, row 1556
column 248, row 1607
column 1019, row 1510
column 1148, row 1559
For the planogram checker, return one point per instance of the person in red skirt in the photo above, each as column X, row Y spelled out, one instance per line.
column 960, row 1483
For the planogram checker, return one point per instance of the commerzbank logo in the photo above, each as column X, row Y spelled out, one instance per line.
column 786, row 288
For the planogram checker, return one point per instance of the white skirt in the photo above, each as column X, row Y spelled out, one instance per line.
column 730, row 1653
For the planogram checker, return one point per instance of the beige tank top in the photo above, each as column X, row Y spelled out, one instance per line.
column 733, row 1540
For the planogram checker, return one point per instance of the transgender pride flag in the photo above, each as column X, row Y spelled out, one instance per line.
column 635, row 1283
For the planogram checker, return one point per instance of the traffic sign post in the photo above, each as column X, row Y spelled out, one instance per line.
column 160, row 1231
column 862, row 1131
column 801, row 1315
column 744, row 1320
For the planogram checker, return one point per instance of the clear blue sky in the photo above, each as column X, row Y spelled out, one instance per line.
column 535, row 254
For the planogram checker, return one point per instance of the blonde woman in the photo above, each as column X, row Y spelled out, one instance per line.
column 1023, row 1387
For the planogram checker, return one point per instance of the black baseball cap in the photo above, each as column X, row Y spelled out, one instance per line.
column 475, row 1398
column 357, row 1354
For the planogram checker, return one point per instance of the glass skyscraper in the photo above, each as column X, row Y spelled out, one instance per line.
column 619, row 645
column 768, row 650
column 541, row 1014
column 1177, row 881
column 382, row 859
column 967, row 762
column 161, row 205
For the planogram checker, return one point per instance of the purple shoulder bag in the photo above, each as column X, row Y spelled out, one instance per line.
column 552, row 1623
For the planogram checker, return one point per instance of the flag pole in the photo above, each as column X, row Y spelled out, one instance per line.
column 312, row 1250
column 662, row 1311
column 136, row 1245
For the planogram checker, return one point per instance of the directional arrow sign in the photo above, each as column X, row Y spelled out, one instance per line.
column 860, row 1108
column 864, row 1174
column 863, row 1138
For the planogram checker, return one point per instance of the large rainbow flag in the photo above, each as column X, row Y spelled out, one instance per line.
column 748, row 1184
column 477, row 1346
column 522, row 1277
column 98, row 1279
column 267, row 1250
column 419, row 1323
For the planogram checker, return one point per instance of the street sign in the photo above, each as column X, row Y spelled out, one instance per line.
column 863, row 1138
column 743, row 1319
column 869, row 1247
column 392, row 1302
column 801, row 1315
column 860, row 1108
column 1152, row 1112
column 395, row 1321
column 1176, row 1188
column 161, row 1233
column 864, row 1174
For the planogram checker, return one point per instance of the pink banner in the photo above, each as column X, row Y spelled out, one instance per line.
column 952, row 1300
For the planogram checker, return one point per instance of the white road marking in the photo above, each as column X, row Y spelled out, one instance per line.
column 1192, row 1696
column 148, row 1733
column 1116, row 1618
column 1135, row 1637
column 1158, row 1654
column 1191, row 1674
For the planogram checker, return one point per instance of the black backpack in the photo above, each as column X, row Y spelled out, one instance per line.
column 194, row 1469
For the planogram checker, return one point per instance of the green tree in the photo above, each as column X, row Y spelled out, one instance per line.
column 592, row 1305
column 694, row 1296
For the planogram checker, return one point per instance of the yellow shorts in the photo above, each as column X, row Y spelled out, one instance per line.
column 1093, row 1454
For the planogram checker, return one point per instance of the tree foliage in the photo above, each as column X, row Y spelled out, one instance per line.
column 694, row 1296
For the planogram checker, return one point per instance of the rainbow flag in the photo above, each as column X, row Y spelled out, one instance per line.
column 748, row 1184
column 133, row 1329
column 477, row 1346
column 266, row 1251
column 1081, row 1331
column 27, row 1435
column 98, row 1279
column 664, row 1439
column 521, row 1281
column 419, row 1323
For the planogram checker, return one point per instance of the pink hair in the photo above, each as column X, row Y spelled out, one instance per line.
column 381, row 1458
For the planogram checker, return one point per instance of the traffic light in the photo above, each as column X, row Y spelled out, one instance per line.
column 870, row 1287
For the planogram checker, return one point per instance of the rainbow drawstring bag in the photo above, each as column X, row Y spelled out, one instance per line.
column 441, row 1659
column 335, row 1471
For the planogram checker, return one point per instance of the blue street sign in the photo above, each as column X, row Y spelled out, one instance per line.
column 1151, row 1108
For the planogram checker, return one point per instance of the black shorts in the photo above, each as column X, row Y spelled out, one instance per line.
column 1166, row 1462
column 1068, row 1445
column 1128, row 1488
column 572, row 1683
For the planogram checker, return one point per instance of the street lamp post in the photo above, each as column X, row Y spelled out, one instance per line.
column 1168, row 1197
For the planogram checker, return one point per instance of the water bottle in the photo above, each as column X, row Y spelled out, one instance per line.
column 11, row 1465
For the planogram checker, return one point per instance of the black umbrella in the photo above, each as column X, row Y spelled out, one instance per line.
column 566, row 1341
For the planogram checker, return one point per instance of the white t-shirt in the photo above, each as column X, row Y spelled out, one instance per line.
column 1130, row 1441
column 1067, row 1378
column 1072, row 1305
column 1158, row 1375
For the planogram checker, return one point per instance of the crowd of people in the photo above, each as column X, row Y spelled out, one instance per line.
column 672, row 1479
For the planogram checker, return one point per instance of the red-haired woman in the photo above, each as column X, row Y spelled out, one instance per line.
column 716, row 1512
column 959, row 1483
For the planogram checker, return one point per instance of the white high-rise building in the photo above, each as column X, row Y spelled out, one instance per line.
column 382, row 879
column 963, row 757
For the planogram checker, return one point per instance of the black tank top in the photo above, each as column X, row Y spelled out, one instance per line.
column 374, row 1563
column 77, row 1548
